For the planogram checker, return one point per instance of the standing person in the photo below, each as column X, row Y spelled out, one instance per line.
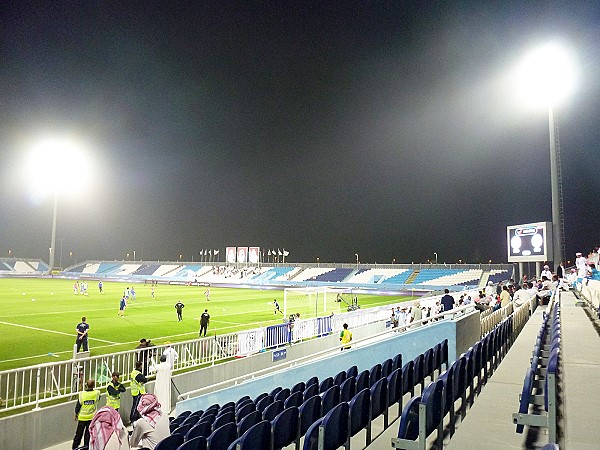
column 85, row 408
column 152, row 291
column 581, row 264
column 132, row 293
column 162, row 385
column 504, row 297
column 204, row 321
column 143, row 354
column 137, row 389
column 179, row 307
column 276, row 307
column 153, row 425
column 207, row 294
column 171, row 355
column 100, row 286
column 122, row 305
column 107, row 431
column 82, row 335
column 447, row 300
column 113, row 391
column 345, row 337
column 416, row 314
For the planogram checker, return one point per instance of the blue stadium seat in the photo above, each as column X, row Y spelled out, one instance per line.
column 282, row 395
column 374, row 374
column 221, row 420
column 294, row 399
column 248, row 422
column 275, row 391
column 272, row 410
column 362, row 381
column 182, row 429
column 394, row 381
column 334, row 429
column 397, row 361
column 311, row 438
column 419, row 371
column 409, row 421
column 285, row 428
column 340, row 378
column 348, row 389
column 325, row 384
column 329, row 399
column 312, row 380
column 244, row 411
column 311, row 391
column 309, row 411
column 222, row 437
column 408, row 378
column 264, row 402
column 387, row 367
column 352, row 372
column 170, row 442
column 379, row 394
column 299, row 387
column 360, row 415
column 196, row 443
column 258, row 437
column 200, row 429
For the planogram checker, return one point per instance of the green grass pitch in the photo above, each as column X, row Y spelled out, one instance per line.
column 38, row 316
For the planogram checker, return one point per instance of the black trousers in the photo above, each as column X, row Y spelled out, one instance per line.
column 82, row 342
column 203, row 327
column 83, row 430
column 134, row 414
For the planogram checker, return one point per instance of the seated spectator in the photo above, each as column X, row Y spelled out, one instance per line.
column 545, row 290
column 152, row 427
column 107, row 431
column 593, row 273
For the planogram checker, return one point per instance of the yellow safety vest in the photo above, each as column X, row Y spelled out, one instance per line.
column 346, row 337
column 137, row 388
column 113, row 401
column 89, row 404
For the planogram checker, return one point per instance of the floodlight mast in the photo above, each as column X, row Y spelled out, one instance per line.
column 53, row 239
column 547, row 76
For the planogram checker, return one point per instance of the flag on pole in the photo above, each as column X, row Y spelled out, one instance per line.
column 285, row 253
column 279, row 252
column 210, row 253
column 269, row 252
column 216, row 252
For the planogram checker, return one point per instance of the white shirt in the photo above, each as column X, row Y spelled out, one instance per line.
column 171, row 355
column 144, row 435
column 581, row 264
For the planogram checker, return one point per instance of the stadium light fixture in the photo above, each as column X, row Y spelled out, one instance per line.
column 546, row 77
column 436, row 257
column 57, row 165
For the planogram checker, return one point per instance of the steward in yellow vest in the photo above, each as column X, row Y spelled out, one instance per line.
column 345, row 337
column 86, row 407
column 137, row 389
column 113, row 391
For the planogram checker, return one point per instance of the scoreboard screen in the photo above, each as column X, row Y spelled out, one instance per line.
column 530, row 242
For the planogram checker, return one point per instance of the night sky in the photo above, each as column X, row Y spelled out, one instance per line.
column 390, row 129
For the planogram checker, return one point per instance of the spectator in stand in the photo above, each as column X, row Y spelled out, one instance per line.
column 490, row 290
column 546, row 272
column 504, row 297
column 593, row 273
column 581, row 264
column 152, row 426
column 85, row 408
column 545, row 291
column 345, row 337
column 447, row 300
column 171, row 355
column 107, row 431
column 416, row 314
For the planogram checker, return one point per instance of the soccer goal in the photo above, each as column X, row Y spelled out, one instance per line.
column 314, row 301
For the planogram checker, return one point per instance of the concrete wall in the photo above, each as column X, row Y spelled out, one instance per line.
column 55, row 424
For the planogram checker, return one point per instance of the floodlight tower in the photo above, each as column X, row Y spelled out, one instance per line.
column 546, row 76
column 55, row 165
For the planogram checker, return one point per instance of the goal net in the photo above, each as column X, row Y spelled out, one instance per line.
column 315, row 301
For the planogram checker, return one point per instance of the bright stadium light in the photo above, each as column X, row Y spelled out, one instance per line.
column 546, row 77
column 57, row 166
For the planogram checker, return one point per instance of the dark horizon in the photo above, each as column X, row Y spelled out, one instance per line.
column 389, row 129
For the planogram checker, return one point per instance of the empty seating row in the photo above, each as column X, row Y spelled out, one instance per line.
column 538, row 404
column 284, row 415
column 463, row 380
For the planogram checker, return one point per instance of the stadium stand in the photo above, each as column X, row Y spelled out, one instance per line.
column 334, row 276
column 312, row 273
column 17, row 266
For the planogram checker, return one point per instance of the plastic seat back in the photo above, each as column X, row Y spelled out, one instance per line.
column 285, row 427
column 360, row 411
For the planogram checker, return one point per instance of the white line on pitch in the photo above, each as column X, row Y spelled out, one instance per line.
column 52, row 331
